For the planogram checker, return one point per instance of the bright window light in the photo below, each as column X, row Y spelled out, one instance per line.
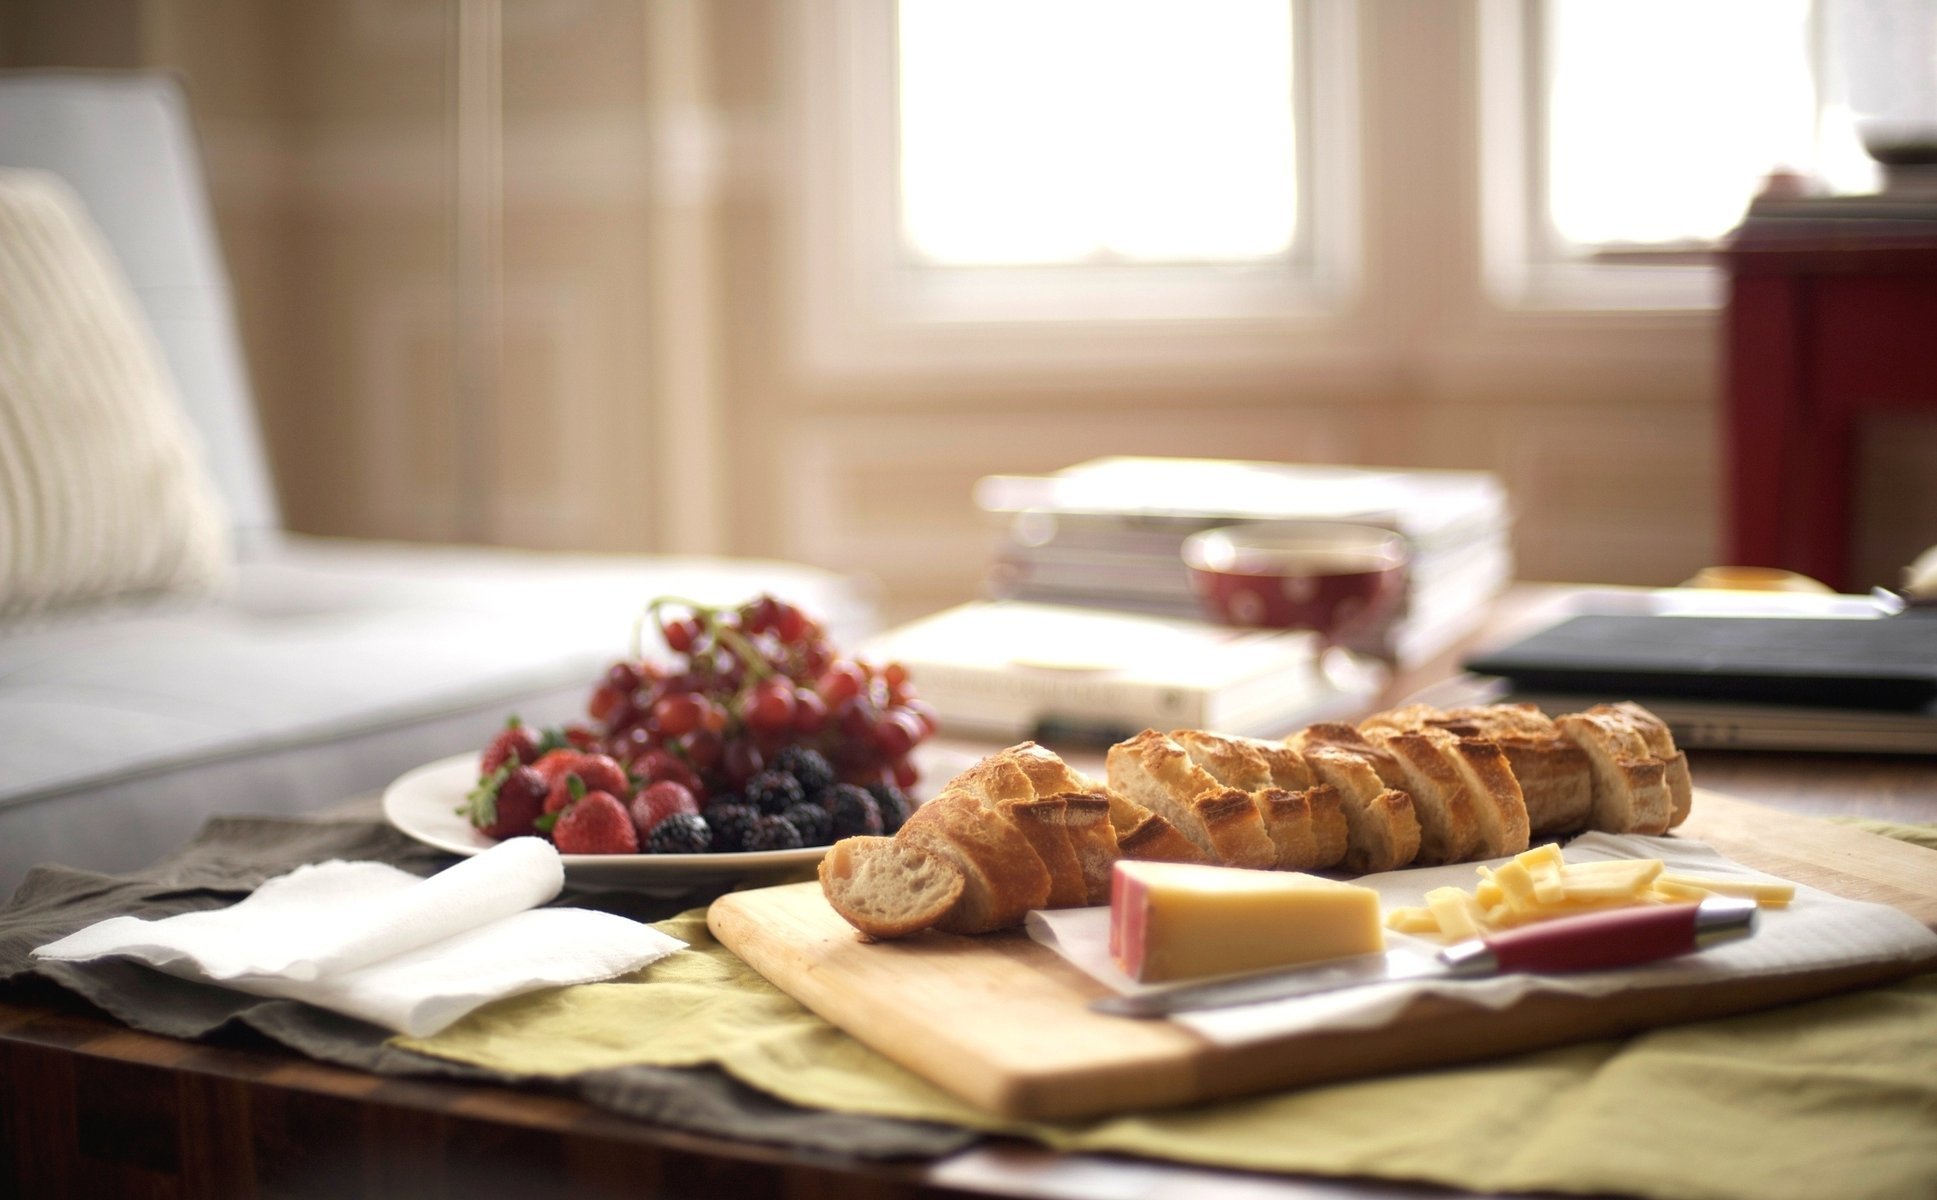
column 1058, row 132
column 1664, row 116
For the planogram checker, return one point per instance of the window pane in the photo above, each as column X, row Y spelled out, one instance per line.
column 1071, row 131
column 1664, row 115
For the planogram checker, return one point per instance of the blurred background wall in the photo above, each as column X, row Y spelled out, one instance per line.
column 531, row 272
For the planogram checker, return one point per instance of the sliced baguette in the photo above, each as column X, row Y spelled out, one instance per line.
column 1333, row 735
column 1044, row 821
column 1630, row 784
column 1448, row 829
column 888, row 888
column 1143, row 834
column 1003, row 877
column 1153, row 771
column 1382, row 833
column 1274, row 776
column 1661, row 743
column 1086, row 819
column 1330, row 833
column 1556, row 779
column 1499, row 808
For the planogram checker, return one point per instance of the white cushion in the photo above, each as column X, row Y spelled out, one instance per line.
column 101, row 490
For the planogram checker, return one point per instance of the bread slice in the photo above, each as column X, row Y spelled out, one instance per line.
column 1330, row 833
column 1336, row 735
column 1382, row 833
column 1499, row 808
column 1661, row 743
column 1246, row 765
column 1003, row 877
column 888, row 888
column 1448, row 829
column 1043, row 820
column 1630, row 784
column 1047, row 773
column 1142, row 834
column 1556, row 779
column 1155, row 772
column 1086, row 819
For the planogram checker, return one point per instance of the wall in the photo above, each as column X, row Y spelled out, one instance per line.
column 521, row 273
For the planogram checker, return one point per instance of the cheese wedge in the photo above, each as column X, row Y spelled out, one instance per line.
column 1183, row 921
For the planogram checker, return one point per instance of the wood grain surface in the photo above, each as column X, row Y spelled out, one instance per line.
column 1002, row 1022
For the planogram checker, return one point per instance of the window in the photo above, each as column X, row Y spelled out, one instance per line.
column 1067, row 132
column 1643, row 128
column 1072, row 181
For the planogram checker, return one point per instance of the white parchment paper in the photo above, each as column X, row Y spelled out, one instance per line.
column 1816, row 932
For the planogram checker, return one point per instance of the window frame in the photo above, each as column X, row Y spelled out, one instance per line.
column 865, row 308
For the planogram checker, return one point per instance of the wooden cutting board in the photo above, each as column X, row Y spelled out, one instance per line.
column 1002, row 1022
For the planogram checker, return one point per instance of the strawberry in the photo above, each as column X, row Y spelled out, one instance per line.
column 656, row 802
column 592, row 773
column 515, row 743
column 595, row 823
column 506, row 802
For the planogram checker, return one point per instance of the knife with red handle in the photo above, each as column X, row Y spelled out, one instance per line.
column 1621, row 937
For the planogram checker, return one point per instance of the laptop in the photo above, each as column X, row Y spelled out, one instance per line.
column 1739, row 671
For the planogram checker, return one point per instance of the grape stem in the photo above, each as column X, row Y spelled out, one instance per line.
column 709, row 617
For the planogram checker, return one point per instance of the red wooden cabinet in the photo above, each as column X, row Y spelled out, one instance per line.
column 1829, row 319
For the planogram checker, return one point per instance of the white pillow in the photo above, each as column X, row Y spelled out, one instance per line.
column 102, row 489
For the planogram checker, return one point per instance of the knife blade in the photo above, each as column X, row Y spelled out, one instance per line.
column 1622, row 937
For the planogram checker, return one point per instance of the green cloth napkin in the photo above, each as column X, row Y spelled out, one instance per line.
column 1836, row 1097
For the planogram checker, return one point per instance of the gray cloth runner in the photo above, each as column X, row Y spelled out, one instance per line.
column 232, row 855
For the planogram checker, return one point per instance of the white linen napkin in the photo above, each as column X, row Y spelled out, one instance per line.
column 1817, row 931
column 382, row 945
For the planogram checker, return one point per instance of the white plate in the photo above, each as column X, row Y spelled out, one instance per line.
column 423, row 803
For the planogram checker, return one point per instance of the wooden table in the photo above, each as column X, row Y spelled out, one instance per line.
column 90, row 1107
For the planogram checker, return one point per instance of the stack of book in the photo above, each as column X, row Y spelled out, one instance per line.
column 1109, row 534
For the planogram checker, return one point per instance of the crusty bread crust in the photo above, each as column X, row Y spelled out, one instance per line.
column 1336, row 735
column 1155, row 772
column 888, row 888
column 1499, row 808
column 1043, row 821
column 1086, row 818
column 1630, row 784
column 1274, row 776
column 1226, row 760
column 1382, row 832
column 1556, row 782
column 1448, row 828
column 1154, row 839
column 1661, row 743
column 1330, row 834
column 1003, row 876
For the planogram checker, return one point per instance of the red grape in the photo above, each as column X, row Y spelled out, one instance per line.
column 702, row 748
column 810, row 712
column 840, row 683
column 678, row 713
column 770, row 707
column 680, row 635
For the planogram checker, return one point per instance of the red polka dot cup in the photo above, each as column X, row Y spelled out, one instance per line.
column 1337, row 579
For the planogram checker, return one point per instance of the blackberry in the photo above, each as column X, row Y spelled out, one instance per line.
column 808, row 766
column 680, row 833
column 774, row 792
column 772, row 833
column 815, row 823
column 855, row 812
column 729, row 822
column 893, row 803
